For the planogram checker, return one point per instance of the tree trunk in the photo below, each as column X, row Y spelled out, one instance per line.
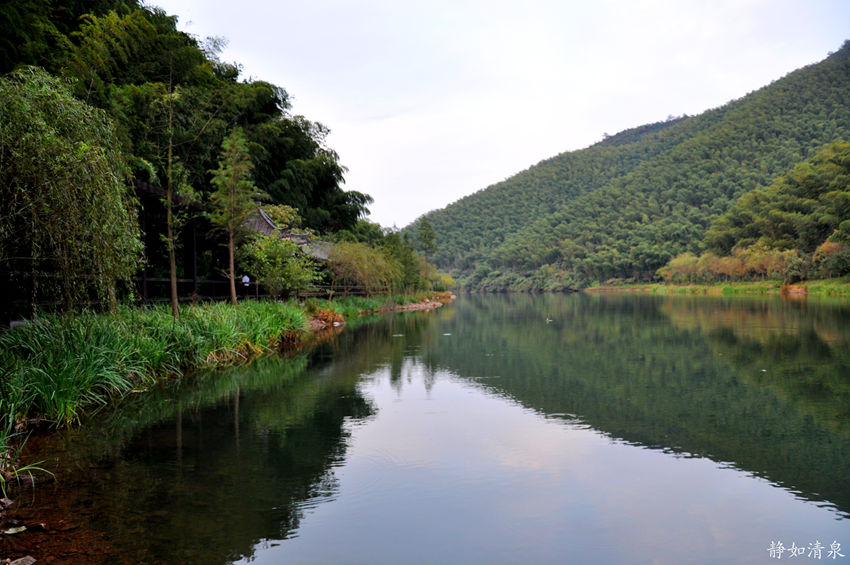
column 232, row 273
column 169, row 205
column 172, row 263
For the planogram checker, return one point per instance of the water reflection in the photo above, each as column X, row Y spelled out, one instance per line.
column 483, row 433
column 760, row 383
column 205, row 468
column 450, row 473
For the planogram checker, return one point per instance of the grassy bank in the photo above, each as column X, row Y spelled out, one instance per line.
column 827, row 287
column 57, row 366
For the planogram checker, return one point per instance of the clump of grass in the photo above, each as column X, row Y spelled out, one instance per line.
column 346, row 307
column 57, row 365
column 62, row 363
column 442, row 296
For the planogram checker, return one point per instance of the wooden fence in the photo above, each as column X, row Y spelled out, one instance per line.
column 17, row 304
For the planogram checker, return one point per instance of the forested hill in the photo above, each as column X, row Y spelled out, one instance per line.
column 623, row 207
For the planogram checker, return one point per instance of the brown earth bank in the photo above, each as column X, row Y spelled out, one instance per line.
column 326, row 319
column 427, row 304
column 49, row 524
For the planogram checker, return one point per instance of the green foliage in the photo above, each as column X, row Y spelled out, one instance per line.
column 279, row 265
column 472, row 228
column 235, row 198
column 441, row 281
column 34, row 32
column 286, row 217
column 746, row 263
column 65, row 207
column 790, row 230
column 57, row 366
column 11, row 444
column 297, row 169
column 832, row 259
column 405, row 270
column 173, row 102
column 799, row 210
column 624, row 207
column 358, row 265
column 398, row 249
column 426, row 237
column 363, row 231
column 103, row 48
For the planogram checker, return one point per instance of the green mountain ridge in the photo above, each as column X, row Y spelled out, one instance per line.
column 623, row 207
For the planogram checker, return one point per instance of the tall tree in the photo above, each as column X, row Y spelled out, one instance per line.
column 235, row 198
column 176, row 187
column 397, row 248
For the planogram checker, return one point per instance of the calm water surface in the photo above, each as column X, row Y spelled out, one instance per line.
column 627, row 429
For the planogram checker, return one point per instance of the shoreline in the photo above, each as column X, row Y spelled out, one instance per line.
column 326, row 320
column 814, row 288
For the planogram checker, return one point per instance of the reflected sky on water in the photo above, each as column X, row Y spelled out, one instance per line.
column 627, row 429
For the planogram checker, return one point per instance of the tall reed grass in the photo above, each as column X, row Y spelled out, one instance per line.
column 58, row 365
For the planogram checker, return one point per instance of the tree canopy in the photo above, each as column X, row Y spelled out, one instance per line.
column 236, row 196
column 796, row 227
column 798, row 210
column 127, row 59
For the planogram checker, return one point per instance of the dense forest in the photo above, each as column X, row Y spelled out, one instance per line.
column 119, row 138
column 621, row 209
column 170, row 97
column 796, row 228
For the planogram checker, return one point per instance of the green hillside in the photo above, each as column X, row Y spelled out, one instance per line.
column 796, row 228
column 624, row 206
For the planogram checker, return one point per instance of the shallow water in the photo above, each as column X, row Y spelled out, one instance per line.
column 626, row 429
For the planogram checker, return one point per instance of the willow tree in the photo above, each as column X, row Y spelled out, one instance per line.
column 234, row 200
column 66, row 217
column 358, row 265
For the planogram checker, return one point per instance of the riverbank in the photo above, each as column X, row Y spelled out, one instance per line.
column 57, row 367
column 829, row 287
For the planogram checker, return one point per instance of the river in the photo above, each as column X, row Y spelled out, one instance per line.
column 497, row 429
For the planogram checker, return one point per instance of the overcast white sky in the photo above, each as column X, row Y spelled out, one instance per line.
column 430, row 101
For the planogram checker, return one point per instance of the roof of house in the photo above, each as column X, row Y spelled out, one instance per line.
column 262, row 223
